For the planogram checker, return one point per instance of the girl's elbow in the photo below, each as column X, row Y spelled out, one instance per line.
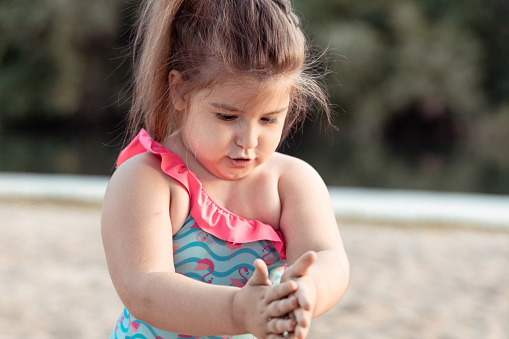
column 341, row 276
column 139, row 307
column 344, row 277
column 133, row 298
column 345, row 266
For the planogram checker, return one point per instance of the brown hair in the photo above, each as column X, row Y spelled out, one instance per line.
column 206, row 40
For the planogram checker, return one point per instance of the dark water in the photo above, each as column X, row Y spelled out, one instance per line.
column 341, row 162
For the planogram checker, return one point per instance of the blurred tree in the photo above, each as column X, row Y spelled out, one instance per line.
column 429, row 77
column 405, row 72
column 433, row 67
column 54, row 57
column 487, row 20
column 484, row 20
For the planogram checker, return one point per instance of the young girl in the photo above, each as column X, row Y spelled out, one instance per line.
column 208, row 232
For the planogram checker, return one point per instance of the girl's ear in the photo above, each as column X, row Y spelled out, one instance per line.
column 176, row 83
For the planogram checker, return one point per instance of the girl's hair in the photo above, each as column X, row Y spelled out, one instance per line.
column 208, row 40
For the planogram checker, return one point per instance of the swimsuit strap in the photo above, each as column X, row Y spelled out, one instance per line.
column 208, row 214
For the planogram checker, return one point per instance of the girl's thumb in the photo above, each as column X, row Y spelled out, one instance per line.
column 302, row 265
column 261, row 273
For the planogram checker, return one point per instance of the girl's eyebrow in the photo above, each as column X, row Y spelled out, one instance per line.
column 233, row 109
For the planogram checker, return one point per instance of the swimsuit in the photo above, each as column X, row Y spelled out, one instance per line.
column 214, row 245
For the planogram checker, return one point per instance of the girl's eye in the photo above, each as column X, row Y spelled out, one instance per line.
column 225, row 117
column 269, row 120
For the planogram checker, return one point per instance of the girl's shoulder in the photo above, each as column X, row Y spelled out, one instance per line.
column 295, row 176
column 143, row 173
column 140, row 185
column 141, row 177
column 138, row 178
column 142, row 167
column 291, row 168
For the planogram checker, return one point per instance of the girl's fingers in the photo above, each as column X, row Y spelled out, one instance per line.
column 300, row 318
column 303, row 297
column 281, row 291
column 261, row 274
column 300, row 333
column 283, row 307
column 277, row 336
column 303, row 320
column 280, row 325
column 301, row 266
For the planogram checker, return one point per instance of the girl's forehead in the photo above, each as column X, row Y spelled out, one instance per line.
column 246, row 94
column 250, row 88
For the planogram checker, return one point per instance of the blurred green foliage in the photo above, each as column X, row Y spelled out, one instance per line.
column 55, row 57
column 60, row 58
column 413, row 61
column 436, row 64
column 483, row 21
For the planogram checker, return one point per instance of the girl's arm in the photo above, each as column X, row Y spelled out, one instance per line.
column 308, row 223
column 137, row 237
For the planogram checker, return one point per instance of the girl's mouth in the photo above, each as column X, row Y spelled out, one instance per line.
column 239, row 162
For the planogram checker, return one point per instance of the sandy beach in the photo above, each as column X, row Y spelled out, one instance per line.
column 407, row 281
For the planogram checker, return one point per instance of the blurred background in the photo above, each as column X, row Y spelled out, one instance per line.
column 419, row 87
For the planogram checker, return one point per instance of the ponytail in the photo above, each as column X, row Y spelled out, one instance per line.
column 208, row 40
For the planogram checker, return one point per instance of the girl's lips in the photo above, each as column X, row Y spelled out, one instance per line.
column 239, row 162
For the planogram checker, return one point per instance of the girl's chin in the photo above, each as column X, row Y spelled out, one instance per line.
column 232, row 174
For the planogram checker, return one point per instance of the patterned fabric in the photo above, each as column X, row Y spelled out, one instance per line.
column 201, row 255
column 212, row 217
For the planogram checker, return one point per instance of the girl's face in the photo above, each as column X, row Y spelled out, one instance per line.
column 236, row 126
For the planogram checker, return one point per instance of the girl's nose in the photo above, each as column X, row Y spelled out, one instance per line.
column 247, row 136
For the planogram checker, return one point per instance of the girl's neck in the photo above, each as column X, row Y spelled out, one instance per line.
column 236, row 196
column 177, row 146
column 174, row 143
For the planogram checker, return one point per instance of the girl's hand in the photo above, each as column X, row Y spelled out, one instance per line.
column 306, row 292
column 261, row 308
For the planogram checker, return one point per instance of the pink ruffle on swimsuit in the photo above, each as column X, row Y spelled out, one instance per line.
column 214, row 245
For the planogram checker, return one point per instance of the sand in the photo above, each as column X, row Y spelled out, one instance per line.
column 407, row 281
